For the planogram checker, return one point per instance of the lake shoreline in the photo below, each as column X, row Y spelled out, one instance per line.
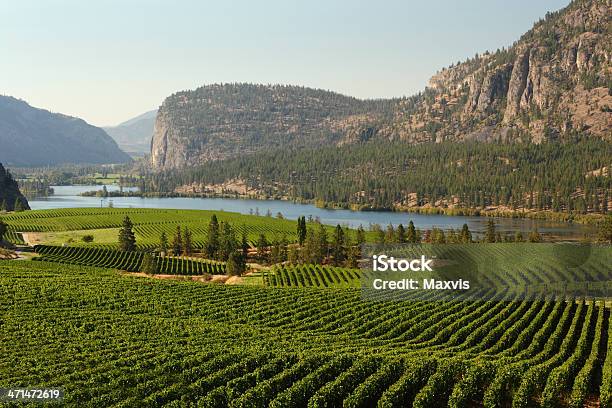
column 495, row 212
column 72, row 197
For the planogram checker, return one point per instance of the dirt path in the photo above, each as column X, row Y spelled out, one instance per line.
column 31, row 238
column 220, row 279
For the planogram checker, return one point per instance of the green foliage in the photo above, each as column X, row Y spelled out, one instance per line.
column 149, row 264
column 127, row 239
column 191, row 344
column 380, row 175
column 126, row 261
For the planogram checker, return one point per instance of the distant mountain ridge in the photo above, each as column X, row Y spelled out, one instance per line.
column 134, row 135
column 554, row 83
column 36, row 137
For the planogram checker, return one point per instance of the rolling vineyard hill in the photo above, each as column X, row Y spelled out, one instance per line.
column 119, row 340
column 148, row 223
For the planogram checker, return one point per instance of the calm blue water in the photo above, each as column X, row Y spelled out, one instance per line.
column 68, row 197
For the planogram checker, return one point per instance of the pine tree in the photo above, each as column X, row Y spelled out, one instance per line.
column 411, row 236
column 212, row 241
column 235, row 265
column 400, row 234
column 163, row 244
column 310, row 252
column 339, row 245
column 465, row 236
column 301, row 230
column 244, row 246
column 227, row 241
column 360, row 236
column 177, row 242
column 322, row 243
column 390, row 234
column 262, row 248
column 187, row 244
column 127, row 240
column 149, row 264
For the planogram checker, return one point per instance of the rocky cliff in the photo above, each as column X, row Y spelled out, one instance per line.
column 219, row 121
column 37, row 137
column 554, row 83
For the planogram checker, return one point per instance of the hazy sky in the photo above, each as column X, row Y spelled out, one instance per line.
column 109, row 60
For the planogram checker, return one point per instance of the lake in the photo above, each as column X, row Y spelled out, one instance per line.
column 68, row 197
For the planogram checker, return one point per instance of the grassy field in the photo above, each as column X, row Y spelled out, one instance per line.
column 108, row 339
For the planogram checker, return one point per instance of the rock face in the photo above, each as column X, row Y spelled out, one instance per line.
column 219, row 121
column 36, row 137
column 552, row 84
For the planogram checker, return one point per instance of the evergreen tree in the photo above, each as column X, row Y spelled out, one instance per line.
column 262, row 248
column 163, row 243
column 187, row 244
column 411, row 235
column 235, row 265
column 149, row 264
column 322, row 243
column 310, row 252
column 177, row 242
column 390, row 234
column 284, row 253
column 212, row 241
column 127, row 240
column 400, row 234
column 465, row 236
column 339, row 245
column 490, row 231
column 361, row 239
column 244, row 246
column 227, row 241
column 301, row 230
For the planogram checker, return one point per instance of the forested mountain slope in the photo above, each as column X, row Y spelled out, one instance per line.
column 10, row 196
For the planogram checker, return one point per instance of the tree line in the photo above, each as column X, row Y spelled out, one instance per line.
column 561, row 177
